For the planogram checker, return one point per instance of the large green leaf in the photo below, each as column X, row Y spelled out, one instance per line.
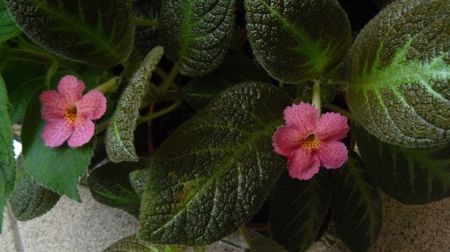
column 234, row 70
column 298, row 210
column 196, row 34
column 7, row 162
column 297, row 40
column 216, row 170
column 110, row 185
column 8, row 27
column 58, row 169
column 411, row 176
column 400, row 72
column 98, row 33
column 120, row 134
column 132, row 244
column 356, row 205
column 30, row 200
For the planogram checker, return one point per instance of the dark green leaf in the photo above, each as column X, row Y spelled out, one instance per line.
column 30, row 200
column 264, row 244
column 411, row 176
column 110, row 185
column 216, row 170
column 120, row 134
column 7, row 163
column 297, row 40
column 196, row 34
column 98, row 33
column 356, row 205
column 298, row 210
column 8, row 27
column 234, row 70
column 132, row 244
column 146, row 37
column 399, row 74
column 58, row 169
column 138, row 180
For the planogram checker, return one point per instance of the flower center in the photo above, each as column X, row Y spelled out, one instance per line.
column 310, row 142
column 70, row 114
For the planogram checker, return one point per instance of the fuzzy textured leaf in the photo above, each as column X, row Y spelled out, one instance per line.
column 411, row 176
column 298, row 210
column 8, row 27
column 197, row 34
column 98, row 33
column 120, row 134
column 7, row 162
column 58, row 169
column 30, row 200
column 132, row 244
column 297, row 40
column 356, row 205
column 216, row 170
column 234, row 70
column 399, row 74
column 110, row 185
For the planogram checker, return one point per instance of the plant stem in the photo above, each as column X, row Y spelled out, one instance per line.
column 146, row 22
column 109, row 85
column 51, row 72
column 316, row 95
column 245, row 235
column 338, row 109
column 161, row 112
column 102, row 126
column 170, row 77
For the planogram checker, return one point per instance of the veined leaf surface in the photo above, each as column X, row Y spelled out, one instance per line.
column 8, row 27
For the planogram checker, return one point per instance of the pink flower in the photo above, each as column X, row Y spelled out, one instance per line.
column 310, row 140
column 69, row 114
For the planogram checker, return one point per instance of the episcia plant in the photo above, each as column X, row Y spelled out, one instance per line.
column 204, row 117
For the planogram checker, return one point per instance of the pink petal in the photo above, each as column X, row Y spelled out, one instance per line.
column 71, row 88
column 303, row 164
column 286, row 139
column 52, row 106
column 56, row 133
column 304, row 116
column 92, row 105
column 332, row 127
column 332, row 155
column 84, row 131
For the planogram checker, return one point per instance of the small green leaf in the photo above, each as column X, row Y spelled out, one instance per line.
column 297, row 40
column 264, row 244
column 120, row 134
column 356, row 205
column 399, row 74
column 30, row 200
column 58, row 169
column 110, row 185
column 216, row 170
column 97, row 33
column 132, row 244
column 298, row 210
column 411, row 176
column 8, row 27
column 7, row 162
column 196, row 33
column 234, row 70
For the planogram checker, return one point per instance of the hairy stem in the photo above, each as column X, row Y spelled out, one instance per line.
column 316, row 95
column 109, row 86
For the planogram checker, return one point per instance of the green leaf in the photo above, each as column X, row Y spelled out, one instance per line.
column 58, row 169
column 298, row 210
column 146, row 37
column 132, row 244
column 8, row 27
column 120, row 134
column 297, row 40
column 30, row 200
column 7, row 162
column 216, row 170
column 138, row 180
column 110, row 185
column 356, row 205
column 197, row 34
column 411, row 176
column 399, row 74
column 264, row 244
column 234, row 70
column 97, row 33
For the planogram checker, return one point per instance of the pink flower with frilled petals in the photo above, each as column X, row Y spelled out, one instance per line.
column 309, row 140
column 69, row 114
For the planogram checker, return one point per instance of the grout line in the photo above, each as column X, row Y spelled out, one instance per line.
column 15, row 228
